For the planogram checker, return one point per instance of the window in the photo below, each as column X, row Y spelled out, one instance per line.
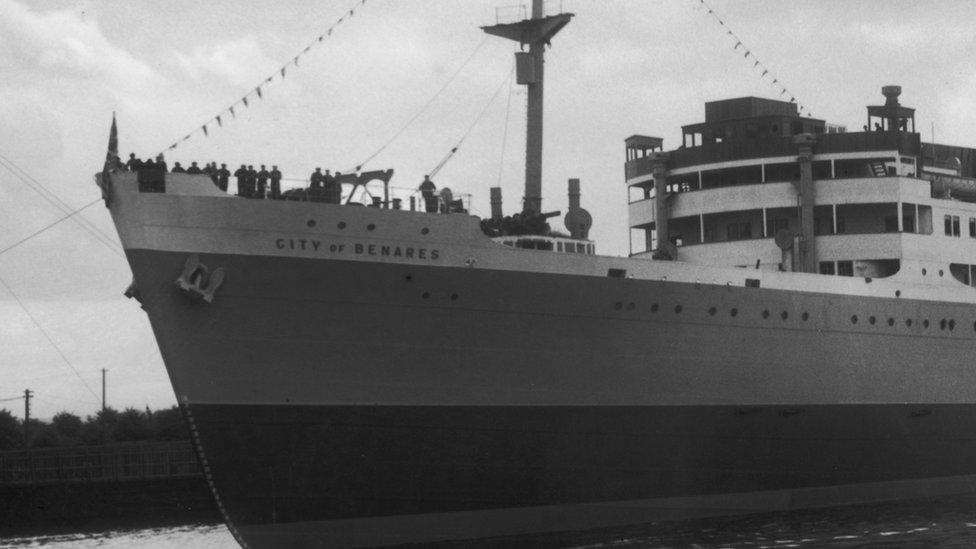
column 891, row 224
column 951, row 225
column 739, row 231
column 774, row 225
column 841, row 229
column 972, row 227
column 908, row 223
column 845, row 268
column 827, row 267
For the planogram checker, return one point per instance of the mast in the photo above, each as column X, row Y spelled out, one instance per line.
column 529, row 67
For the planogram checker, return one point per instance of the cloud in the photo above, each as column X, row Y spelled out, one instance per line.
column 64, row 42
column 234, row 61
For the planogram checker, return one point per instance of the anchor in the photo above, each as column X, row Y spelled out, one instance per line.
column 197, row 281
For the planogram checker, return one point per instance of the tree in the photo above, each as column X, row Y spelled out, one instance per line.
column 11, row 432
column 68, row 428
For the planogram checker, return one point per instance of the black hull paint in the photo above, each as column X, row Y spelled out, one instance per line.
column 308, row 463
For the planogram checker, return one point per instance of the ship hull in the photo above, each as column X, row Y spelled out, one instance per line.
column 358, row 403
column 379, row 475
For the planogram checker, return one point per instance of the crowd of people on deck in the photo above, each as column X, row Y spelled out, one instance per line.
column 264, row 183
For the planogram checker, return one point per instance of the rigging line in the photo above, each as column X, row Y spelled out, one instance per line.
column 501, row 156
column 46, row 227
column 475, row 123
column 426, row 105
column 27, row 179
column 48, row 337
column 267, row 80
column 37, row 187
column 11, row 398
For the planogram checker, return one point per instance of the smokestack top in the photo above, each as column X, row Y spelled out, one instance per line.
column 891, row 94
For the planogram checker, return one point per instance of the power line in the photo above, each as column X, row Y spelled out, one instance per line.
column 48, row 337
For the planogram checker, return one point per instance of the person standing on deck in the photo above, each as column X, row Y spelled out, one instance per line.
column 427, row 189
column 275, row 183
column 315, row 185
column 241, row 175
column 251, row 182
column 223, row 174
column 263, row 176
column 133, row 164
column 331, row 188
column 194, row 169
column 177, row 168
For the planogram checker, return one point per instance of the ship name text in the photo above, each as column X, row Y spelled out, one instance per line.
column 383, row 250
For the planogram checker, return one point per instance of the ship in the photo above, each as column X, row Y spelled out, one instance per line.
column 792, row 329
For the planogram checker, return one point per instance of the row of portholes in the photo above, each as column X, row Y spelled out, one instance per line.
column 712, row 311
column 944, row 324
column 370, row 227
column 426, row 295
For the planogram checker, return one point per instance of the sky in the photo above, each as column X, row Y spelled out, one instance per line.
column 377, row 84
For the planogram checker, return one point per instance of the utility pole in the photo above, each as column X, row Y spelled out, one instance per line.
column 27, row 397
column 103, row 389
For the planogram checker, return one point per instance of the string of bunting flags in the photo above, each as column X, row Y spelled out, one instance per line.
column 757, row 65
column 257, row 91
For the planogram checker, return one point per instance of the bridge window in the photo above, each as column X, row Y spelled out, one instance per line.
column 952, row 225
column 827, row 268
column 845, row 268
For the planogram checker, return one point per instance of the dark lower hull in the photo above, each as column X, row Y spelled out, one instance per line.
column 348, row 475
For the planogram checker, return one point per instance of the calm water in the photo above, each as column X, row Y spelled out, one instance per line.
column 944, row 523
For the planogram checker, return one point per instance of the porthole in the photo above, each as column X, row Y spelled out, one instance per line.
column 712, row 311
column 630, row 306
column 897, row 293
column 908, row 322
column 654, row 307
column 940, row 272
column 425, row 295
column 805, row 316
column 370, row 227
column 925, row 323
column 784, row 315
column 735, row 312
column 924, row 271
column 454, row 297
column 310, row 222
column 618, row 305
column 765, row 313
column 952, row 324
column 342, row 225
column 853, row 319
column 677, row 308
column 408, row 278
column 872, row 320
column 891, row 321
column 942, row 324
column 425, row 230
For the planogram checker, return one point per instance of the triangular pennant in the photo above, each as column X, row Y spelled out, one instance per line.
column 775, row 81
column 765, row 72
column 258, row 89
column 219, row 122
column 792, row 99
column 748, row 53
column 350, row 13
column 282, row 72
column 737, row 44
column 232, row 113
column 321, row 36
column 244, row 100
column 756, row 64
column 186, row 137
column 306, row 49
column 295, row 60
column 329, row 33
column 782, row 92
column 268, row 79
column 171, row 147
column 205, row 130
column 340, row 20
